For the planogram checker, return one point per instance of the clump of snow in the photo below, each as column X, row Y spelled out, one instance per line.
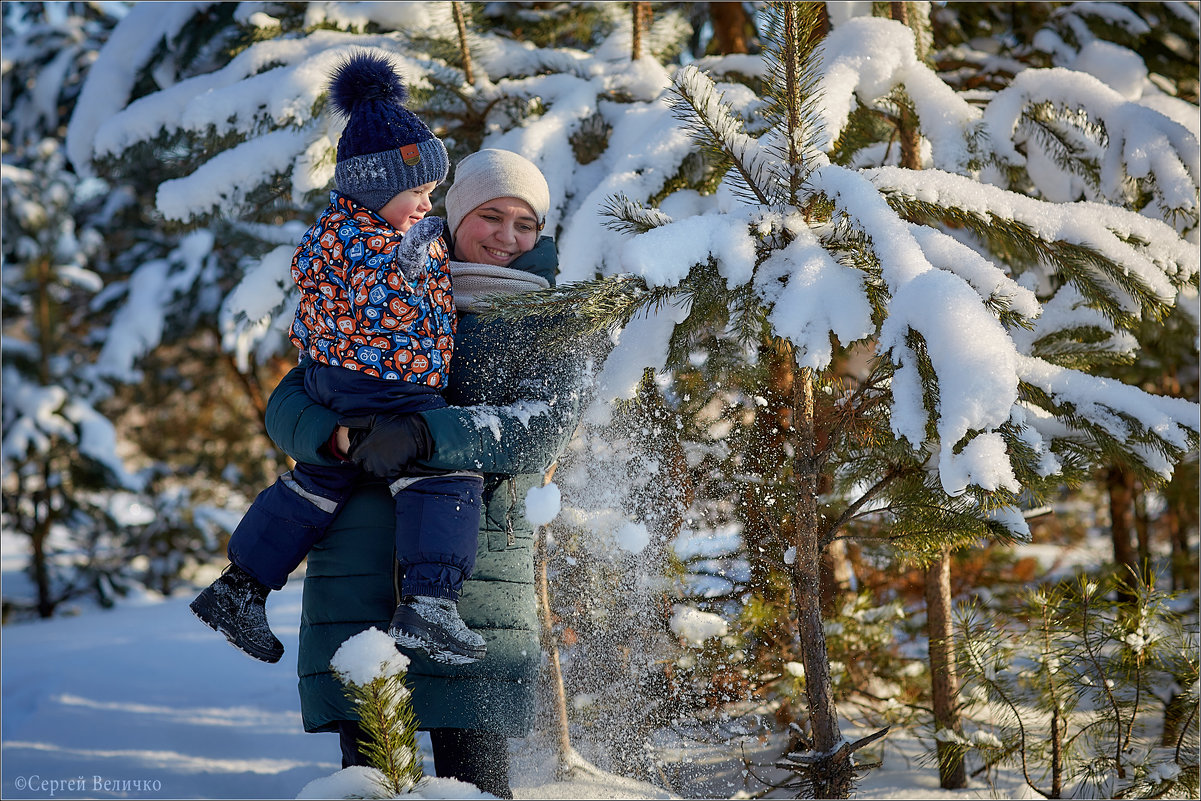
column 641, row 344
column 1120, row 67
column 867, row 58
column 367, row 656
column 632, row 537
column 542, row 504
column 821, row 296
column 1164, row 772
column 354, row 782
column 696, row 626
column 364, row 782
column 985, row 739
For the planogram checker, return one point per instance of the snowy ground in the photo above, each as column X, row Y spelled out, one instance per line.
column 142, row 701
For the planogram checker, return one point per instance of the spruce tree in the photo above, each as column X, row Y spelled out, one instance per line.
column 60, row 461
column 58, row 449
column 790, row 231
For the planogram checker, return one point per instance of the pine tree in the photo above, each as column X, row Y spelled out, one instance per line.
column 373, row 674
column 789, row 227
column 59, row 445
column 1089, row 664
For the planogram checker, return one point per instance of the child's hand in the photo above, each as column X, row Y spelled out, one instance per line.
column 414, row 248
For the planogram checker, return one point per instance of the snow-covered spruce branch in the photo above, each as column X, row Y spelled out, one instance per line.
column 793, row 79
column 581, row 308
column 1128, row 264
column 1129, row 425
column 698, row 104
column 1140, row 145
column 1069, row 138
column 630, row 217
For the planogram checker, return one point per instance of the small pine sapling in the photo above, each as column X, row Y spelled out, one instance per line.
column 373, row 673
column 1067, row 691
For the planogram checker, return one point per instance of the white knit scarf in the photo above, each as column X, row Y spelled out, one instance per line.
column 471, row 282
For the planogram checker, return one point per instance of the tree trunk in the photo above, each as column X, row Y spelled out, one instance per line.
column 552, row 648
column 1121, row 520
column 641, row 12
column 42, row 519
column 829, row 780
column 38, row 536
column 730, row 23
column 464, row 51
column 944, row 681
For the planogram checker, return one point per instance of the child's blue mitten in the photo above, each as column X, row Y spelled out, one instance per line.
column 414, row 247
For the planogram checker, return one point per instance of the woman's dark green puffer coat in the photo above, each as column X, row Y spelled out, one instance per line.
column 513, row 408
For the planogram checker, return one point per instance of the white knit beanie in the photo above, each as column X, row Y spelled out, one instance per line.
column 488, row 174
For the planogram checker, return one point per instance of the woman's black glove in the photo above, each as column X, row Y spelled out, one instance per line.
column 385, row 445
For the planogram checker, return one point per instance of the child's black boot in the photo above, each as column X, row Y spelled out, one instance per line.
column 236, row 606
column 433, row 625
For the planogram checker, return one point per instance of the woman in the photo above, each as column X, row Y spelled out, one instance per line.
column 513, row 408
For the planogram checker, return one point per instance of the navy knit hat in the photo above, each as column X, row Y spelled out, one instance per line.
column 385, row 148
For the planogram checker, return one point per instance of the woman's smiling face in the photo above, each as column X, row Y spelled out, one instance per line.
column 496, row 232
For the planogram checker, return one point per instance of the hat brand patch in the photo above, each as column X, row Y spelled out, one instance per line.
column 410, row 155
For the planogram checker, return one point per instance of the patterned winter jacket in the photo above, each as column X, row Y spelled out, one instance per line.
column 358, row 309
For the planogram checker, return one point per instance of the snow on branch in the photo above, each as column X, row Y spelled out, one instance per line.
column 111, row 78
column 1148, row 251
column 1137, row 145
column 630, row 216
column 212, row 187
column 984, row 276
column 139, row 325
column 274, row 85
column 279, row 79
column 811, row 296
column 867, row 59
column 701, row 108
column 1160, row 426
column 1066, row 318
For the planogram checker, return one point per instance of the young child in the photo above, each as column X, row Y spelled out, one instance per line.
column 376, row 323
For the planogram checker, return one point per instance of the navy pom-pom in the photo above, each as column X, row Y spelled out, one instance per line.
column 365, row 77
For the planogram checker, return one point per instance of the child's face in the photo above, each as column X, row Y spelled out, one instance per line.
column 496, row 232
column 408, row 207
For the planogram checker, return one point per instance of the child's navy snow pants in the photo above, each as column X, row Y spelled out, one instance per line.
column 437, row 516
